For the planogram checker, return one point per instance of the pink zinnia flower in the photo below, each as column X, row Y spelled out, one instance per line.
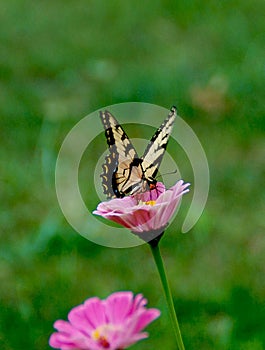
column 114, row 323
column 145, row 214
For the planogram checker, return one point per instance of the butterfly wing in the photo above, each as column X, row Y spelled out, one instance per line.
column 156, row 148
column 121, row 171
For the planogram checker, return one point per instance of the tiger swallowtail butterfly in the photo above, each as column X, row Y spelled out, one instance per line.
column 124, row 172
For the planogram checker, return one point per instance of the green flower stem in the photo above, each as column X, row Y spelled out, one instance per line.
column 161, row 269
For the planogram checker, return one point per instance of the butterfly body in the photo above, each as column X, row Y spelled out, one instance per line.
column 124, row 172
column 135, row 175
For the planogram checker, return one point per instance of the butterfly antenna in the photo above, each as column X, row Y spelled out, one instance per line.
column 172, row 172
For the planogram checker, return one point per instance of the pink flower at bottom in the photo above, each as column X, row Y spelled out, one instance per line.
column 114, row 323
column 147, row 214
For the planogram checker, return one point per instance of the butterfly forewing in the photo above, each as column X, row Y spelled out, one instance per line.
column 156, row 148
column 116, row 169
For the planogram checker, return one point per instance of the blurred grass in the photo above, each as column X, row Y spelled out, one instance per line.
column 62, row 60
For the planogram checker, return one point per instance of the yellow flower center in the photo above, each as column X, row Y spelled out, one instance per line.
column 102, row 333
column 101, row 339
column 150, row 203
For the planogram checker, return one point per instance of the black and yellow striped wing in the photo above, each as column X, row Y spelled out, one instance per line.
column 123, row 171
column 117, row 176
column 155, row 150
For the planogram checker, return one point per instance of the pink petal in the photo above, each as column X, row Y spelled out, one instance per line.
column 60, row 342
column 95, row 311
column 115, row 204
column 167, row 211
column 132, row 220
column 145, row 318
column 68, row 337
column 151, row 195
column 139, row 301
column 78, row 319
column 118, row 305
column 126, row 341
column 63, row 326
column 122, row 220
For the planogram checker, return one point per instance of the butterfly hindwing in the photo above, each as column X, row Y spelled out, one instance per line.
column 123, row 171
column 108, row 167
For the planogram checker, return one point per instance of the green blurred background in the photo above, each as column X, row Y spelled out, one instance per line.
column 61, row 60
